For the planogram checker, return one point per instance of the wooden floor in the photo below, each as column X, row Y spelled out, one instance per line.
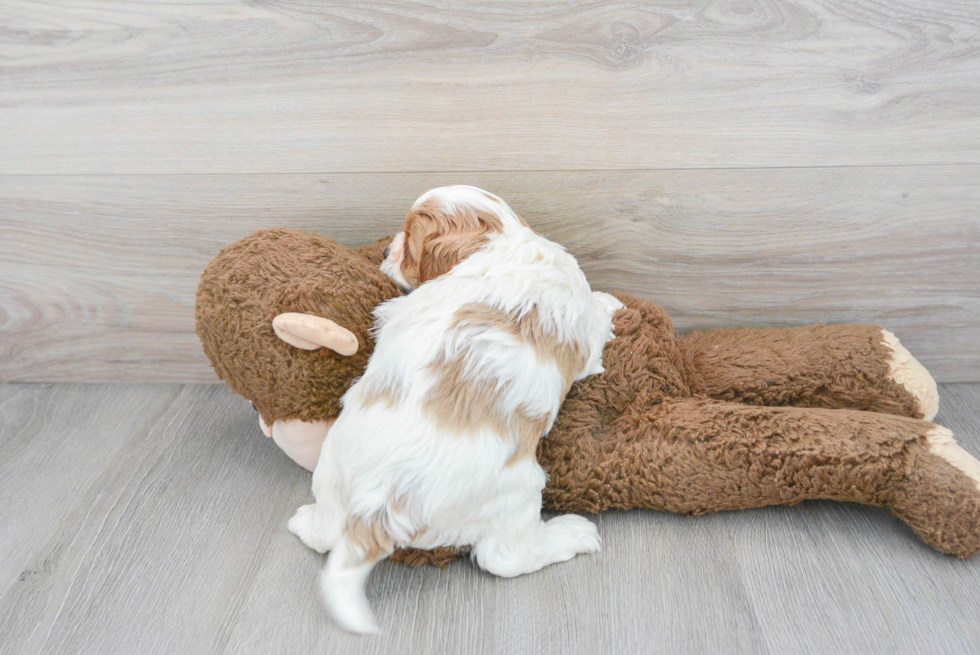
column 152, row 519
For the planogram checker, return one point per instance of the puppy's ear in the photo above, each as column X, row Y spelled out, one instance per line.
column 441, row 252
column 418, row 227
column 436, row 240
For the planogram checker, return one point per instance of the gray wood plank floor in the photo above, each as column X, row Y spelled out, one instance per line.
column 152, row 519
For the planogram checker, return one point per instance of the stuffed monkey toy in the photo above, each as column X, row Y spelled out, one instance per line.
column 709, row 421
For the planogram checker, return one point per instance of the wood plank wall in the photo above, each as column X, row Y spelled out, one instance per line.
column 742, row 162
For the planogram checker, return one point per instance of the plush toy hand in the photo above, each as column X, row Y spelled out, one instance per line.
column 311, row 332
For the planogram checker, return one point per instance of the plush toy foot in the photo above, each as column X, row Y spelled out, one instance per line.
column 905, row 370
column 301, row 440
column 940, row 500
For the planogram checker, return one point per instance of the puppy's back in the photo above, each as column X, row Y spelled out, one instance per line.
column 468, row 373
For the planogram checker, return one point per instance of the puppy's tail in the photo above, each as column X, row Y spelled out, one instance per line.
column 342, row 582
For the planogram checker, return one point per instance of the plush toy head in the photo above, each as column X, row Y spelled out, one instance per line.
column 272, row 272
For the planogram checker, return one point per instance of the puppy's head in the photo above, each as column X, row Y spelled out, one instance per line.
column 444, row 227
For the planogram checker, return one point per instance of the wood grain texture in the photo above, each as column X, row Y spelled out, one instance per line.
column 173, row 539
column 287, row 86
column 98, row 273
column 155, row 551
column 654, row 573
column 54, row 443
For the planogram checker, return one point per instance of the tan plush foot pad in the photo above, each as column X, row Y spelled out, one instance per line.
column 906, row 370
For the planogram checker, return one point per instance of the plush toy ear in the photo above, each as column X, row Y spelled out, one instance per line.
column 311, row 332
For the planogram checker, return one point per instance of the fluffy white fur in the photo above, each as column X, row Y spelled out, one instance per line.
column 388, row 466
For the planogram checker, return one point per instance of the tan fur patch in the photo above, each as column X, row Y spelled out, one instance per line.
column 370, row 538
column 529, row 430
column 390, row 395
column 436, row 240
column 457, row 403
column 462, row 404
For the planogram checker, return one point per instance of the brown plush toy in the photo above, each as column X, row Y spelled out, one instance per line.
column 709, row 421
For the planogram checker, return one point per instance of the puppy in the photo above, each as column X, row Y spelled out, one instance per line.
column 436, row 443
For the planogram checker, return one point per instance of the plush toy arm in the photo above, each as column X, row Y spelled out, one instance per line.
column 832, row 366
column 698, row 456
column 374, row 252
column 311, row 332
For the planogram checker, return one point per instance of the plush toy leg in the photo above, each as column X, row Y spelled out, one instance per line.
column 937, row 502
column 696, row 456
column 301, row 440
column 831, row 366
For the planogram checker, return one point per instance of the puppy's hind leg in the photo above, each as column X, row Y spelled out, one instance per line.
column 558, row 540
column 519, row 542
column 317, row 526
column 320, row 524
column 361, row 547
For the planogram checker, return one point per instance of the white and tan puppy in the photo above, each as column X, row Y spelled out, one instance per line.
column 436, row 443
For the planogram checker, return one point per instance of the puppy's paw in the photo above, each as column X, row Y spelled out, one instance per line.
column 302, row 524
column 309, row 525
column 572, row 534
